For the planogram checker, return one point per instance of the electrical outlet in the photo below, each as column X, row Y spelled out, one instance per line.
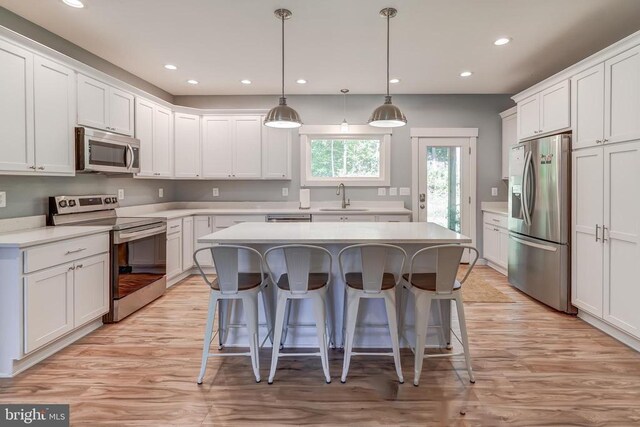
column 216, row 192
column 405, row 191
column 3, row 199
column 285, row 191
column 160, row 192
column 494, row 191
column 382, row 191
column 393, row 191
column 121, row 194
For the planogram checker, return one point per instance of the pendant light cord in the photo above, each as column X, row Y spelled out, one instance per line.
column 388, row 19
column 344, row 105
column 283, row 55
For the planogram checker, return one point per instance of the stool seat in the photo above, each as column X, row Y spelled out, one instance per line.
column 354, row 280
column 426, row 281
column 246, row 281
column 316, row 281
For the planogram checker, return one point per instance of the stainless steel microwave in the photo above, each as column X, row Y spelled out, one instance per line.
column 104, row 152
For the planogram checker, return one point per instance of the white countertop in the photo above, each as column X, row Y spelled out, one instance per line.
column 500, row 208
column 41, row 235
column 332, row 232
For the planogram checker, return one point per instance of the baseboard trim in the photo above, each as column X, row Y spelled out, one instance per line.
column 610, row 330
column 497, row 268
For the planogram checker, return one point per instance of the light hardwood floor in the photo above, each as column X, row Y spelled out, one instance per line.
column 533, row 367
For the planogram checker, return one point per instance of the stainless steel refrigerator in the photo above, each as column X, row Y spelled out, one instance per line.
column 539, row 213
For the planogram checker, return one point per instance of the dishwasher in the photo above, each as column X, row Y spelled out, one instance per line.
column 289, row 218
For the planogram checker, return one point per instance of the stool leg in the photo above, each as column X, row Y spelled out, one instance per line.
column 422, row 310
column 319, row 310
column 224, row 318
column 390, row 304
column 404, row 296
column 250, row 308
column 465, row 338
column 352, row 305
column 277, row 333
column 213, row 302
column 268, row 312
column 287, row 316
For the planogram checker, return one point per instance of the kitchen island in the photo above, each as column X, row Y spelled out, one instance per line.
column 334, row 236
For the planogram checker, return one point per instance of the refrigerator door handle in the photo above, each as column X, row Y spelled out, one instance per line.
column 535, row 245
column 524, row 193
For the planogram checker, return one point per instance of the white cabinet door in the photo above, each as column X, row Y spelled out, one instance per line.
column 503, row 247
column 358, row 218
column 247, row 157
column 162, row 141
column 529, row 116
column 276, row 153
column 509, row 139
column 174, row 255
column 622, row 97
column 144, row 132
column 491, row 243
column 121, row 106
column 186, row 145
column 90, row 289
column 587, row 93
column 202, row 225
column 622, row 234
column 587, row 220
column 555, row 108
column 93, row 103
column 16, row 109
column 48, row 306
column 217, row 147
column 187, row 243
column 55, row 116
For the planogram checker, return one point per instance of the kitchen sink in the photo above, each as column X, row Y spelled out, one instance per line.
column 343, row 210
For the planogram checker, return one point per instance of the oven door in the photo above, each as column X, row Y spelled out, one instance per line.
column 138, row 259
column 98, row 151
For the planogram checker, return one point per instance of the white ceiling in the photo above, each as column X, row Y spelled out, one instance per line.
column 338, row 44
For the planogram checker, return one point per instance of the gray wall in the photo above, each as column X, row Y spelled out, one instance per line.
column 20, row 25
column 478, row 111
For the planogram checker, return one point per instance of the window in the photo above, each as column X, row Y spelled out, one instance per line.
column 359, row 158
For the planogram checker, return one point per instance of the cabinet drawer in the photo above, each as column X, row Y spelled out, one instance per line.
column 57, row 253
column 174, row 226
column 228, row 221
column 495, row 219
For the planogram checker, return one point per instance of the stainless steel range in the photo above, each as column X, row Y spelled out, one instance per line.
column 138, row 259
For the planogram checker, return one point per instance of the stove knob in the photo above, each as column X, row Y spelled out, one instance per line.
column 72, row 203
column 109, row 200
column 62, row 203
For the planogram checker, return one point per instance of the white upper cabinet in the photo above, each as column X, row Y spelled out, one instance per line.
column 55, row 115
column 545, row 112
column 509, row 137
column 104, row 107
column 16, row 109
column 622, row 97
column 186, row 146
column 276, row 153
column 247, row 161
column 154, row 129
column 587, row 99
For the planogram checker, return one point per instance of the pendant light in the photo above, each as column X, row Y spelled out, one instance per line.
column 387, row 115
column 344, row 126
column 283, row 116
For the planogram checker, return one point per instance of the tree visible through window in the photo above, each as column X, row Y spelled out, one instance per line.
column 339, row 158
column 443, row 186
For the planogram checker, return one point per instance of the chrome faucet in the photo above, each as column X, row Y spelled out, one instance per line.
column 345, row 202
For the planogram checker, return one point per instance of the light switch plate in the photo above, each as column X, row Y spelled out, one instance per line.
column 285, row 191
column 405, row 191
column 215, row 192
column 121, row 194
column 160, row 192
column 494, row 191
column 3, row 199
column 382, row 191
column 393, row 191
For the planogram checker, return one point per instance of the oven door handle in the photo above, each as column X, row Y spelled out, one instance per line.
column 136, row 235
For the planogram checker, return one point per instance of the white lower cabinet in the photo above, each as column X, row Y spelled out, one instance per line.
column 90, row 289
column 495, row 236
column 202, row 225
column 174, row 255
column 606, row 234
column 344, row 218
column 187, row 243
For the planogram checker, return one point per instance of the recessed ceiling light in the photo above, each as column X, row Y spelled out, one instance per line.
column 301, row 81
column 74, row 3
column 394, row 81
column 192, row 82
column 245, row 82
column 465, row 73
column 502, row 41
column 170, row 67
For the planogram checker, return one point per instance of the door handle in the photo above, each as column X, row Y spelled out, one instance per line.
column 422, row 198
column 597, row 229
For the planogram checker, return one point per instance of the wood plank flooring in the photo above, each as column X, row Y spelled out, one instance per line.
column 533, row 367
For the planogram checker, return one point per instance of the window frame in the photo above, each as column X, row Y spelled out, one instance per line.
column 307, row 133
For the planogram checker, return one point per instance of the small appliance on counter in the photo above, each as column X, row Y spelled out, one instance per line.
column 138, row 249
column 305, row 198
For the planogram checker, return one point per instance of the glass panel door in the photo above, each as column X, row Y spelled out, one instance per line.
column 444, row 196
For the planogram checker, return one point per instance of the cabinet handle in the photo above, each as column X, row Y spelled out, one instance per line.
column 605, row 140
column 79, row 266
column 597, row 229
column 495, row 220
column 71, row 268
column 32, row 167
column 598, row 141
column 604, row 234
column 209, row 221
column 175, row 226
column 75, row 251
column 540, row 131
column 495, row 229
column 41, row 168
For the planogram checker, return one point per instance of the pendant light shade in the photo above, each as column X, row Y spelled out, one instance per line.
column 387, row 115
column 283, row 116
